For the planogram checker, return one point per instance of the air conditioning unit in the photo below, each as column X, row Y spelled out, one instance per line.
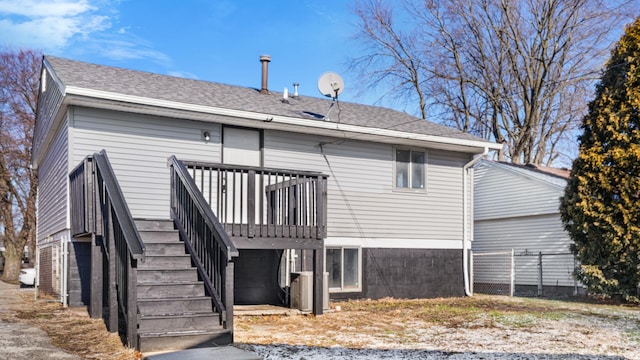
column 302, row 290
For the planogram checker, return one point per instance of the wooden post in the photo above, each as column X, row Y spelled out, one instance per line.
column 318, row 275
column 251, row 203
column 132, row 304
column 321, row 200
column 95, row 301
column 111, row 258
column 228, row 297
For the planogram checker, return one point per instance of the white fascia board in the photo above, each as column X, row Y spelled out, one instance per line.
column 360, row 132
column 393, row 243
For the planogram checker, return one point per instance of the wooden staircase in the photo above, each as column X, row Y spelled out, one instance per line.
column 175, row 312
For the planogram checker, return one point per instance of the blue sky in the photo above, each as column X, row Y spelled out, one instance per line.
column 213, row 40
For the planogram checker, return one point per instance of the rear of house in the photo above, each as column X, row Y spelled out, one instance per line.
column 371, row 196
column 516, row 208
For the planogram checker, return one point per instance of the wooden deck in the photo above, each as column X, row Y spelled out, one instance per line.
column 263, row 208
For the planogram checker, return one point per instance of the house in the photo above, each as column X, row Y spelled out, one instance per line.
column 174, row 193
column 516, row 207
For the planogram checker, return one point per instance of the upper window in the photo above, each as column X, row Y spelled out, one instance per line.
column 409, row 169
column 241, row 146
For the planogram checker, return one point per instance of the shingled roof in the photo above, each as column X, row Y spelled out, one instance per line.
column 175, row 89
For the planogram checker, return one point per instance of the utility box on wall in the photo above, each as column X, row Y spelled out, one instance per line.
column 302, row 290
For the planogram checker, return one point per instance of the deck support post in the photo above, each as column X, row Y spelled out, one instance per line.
column 95, row 302
column 132, row 304
column 318, row 275
column 112, row 321
column 228, row 296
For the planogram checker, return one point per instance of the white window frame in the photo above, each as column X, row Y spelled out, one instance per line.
column 409, row 180
column 342, row 289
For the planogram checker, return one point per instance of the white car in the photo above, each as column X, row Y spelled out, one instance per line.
column 28, row 276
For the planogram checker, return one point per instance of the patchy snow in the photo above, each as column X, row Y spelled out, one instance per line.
column 273, row 352
column 512, row 329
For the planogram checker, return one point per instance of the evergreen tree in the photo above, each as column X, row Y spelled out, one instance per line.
column 601, row 205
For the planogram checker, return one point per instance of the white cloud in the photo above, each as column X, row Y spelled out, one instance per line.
column 79, row 26
column 44, row 8
column 128, row 47
column 48, row 25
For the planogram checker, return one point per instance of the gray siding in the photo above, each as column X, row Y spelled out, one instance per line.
column 500, row 193
column 49, row 103
column 362, row 201
column 529, row 235
column 52, row 187
column 138, row 147
column 533, row 233
column 514, row 211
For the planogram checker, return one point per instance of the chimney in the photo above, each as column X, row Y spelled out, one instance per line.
column 265, row 59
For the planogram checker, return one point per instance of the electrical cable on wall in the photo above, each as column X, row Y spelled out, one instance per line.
column 359, row 228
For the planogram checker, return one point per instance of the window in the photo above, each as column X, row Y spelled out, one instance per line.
column 343, row 266
column 409, row 169
column 241, row 146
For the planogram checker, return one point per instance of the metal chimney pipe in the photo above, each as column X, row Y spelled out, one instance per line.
column 265, row 59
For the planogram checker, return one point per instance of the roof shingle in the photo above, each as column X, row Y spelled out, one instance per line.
column 162, row 87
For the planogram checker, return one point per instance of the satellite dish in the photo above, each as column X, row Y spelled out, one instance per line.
column 330, row 85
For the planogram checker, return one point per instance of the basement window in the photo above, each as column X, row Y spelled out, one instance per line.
column 409, row 169
column 344, row 265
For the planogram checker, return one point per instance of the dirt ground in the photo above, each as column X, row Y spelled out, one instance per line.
column 477, row 326
column 69, row 329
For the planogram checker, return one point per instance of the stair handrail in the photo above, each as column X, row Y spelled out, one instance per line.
column 216, row 273
column 212, row 220
column 130, row 231
column 97, row 198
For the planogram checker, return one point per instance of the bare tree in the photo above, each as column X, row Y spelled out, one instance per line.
column 518, row 72
column 19, row 82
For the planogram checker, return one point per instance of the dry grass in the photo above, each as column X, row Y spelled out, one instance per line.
column 471, row 324
column 72, row 330
column 476, row 324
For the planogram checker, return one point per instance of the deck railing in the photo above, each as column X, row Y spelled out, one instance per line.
column 211, row 249
column 81, row 185
column 253, row 202
column 98, row 208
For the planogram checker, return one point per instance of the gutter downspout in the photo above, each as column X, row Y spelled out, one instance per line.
column 465, row 220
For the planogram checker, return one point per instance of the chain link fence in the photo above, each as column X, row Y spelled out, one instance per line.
column 525, row 273
column 50, row 261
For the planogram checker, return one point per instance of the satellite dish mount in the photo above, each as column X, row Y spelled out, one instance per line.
column 330, row 85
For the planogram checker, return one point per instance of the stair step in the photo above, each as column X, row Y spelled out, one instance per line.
column 154, row 224
column 183, row 322
column 161, row 274
column 164, row 248
column 157, row 236
column 174, row 306
column 166, row 261
column 180, row 340
column 173, row 290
